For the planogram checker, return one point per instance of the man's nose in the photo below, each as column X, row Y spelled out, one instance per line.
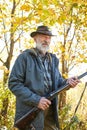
column 46, row 38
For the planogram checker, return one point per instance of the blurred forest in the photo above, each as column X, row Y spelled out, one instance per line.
column 68, row 20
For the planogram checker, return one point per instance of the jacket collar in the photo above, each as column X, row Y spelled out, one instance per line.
column 36, row 52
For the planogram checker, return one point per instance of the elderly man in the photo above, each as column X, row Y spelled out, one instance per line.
column 35, row 74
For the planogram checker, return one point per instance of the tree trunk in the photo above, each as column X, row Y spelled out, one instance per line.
column 62, row 95
column 7, row 65
column 62, row 100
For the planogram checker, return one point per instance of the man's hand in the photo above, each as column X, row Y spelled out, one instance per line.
column 73, row 81
column 44, row 103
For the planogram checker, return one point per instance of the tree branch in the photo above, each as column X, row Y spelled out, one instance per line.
column 72, row 67
column 18, row 36
column 5, row 35
column 17, row 3
column 2, row 49
column 71, row 41
column 69, row 27
column 2, row 61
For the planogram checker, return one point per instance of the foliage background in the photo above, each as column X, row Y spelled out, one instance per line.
column 68, row 20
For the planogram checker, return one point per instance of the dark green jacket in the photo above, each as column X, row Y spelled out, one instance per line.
column 26, row 82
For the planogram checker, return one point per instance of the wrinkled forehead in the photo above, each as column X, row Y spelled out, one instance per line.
column 42, row 36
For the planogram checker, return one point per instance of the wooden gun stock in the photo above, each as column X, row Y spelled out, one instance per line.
column 31, row 115
column 27, row 118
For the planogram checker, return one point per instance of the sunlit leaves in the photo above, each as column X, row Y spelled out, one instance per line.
column 69, row 15
column 4, row 69
column 26, row 7
column 61, row 18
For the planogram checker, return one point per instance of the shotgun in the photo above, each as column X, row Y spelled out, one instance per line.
column 31, row 115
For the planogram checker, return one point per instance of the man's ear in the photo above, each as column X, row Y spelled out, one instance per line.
column 35, row 38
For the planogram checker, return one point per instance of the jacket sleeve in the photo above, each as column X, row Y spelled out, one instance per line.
column 16, row 83
column 60, row 80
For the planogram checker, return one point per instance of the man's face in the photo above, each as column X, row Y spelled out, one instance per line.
column 42, row 42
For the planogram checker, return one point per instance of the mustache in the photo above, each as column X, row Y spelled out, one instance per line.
column 45, row 42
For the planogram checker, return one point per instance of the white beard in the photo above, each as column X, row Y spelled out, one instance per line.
column 42, row 48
